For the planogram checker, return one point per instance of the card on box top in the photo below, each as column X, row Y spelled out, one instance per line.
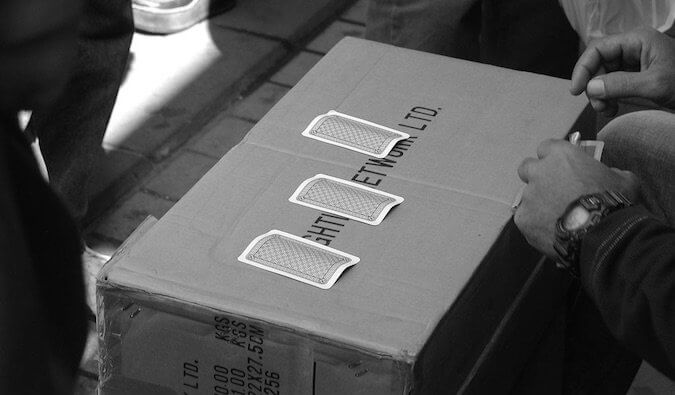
column 297, row 258
column 354, row 133
column 345, row 198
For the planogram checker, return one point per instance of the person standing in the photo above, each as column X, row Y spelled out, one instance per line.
column 43, row 322
column 71, row 129
column 528, row 35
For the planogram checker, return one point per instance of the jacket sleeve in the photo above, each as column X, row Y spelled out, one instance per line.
column 628, row 268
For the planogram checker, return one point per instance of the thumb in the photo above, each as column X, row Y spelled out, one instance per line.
column 621, row 84
column 630, row 183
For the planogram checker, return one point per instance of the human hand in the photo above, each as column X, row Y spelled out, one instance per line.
column 562, row 174
column 637, row 64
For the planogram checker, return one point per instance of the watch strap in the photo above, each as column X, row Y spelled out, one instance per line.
column 567, row 244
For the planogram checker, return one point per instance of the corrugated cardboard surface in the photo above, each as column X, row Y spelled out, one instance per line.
column 470, row 124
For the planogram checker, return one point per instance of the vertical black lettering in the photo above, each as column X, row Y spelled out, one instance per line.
column 408, row 116
column 424, row 111
column 396, row 152
column 421, row 127
column 384, row 162
column 366, row 180
column 335, row 216
column 322, row 230
column 320, row 220
column 364, row 170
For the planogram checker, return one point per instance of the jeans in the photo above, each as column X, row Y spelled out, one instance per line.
column 644, row 143
column 71, row 131
column 529, row 35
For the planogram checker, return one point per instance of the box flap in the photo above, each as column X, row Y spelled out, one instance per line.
column 471, row 125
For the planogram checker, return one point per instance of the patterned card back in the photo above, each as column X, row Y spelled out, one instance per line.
column 345, row 198
column 354, row 133
column 297, row 258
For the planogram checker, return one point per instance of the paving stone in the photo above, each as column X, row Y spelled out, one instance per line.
column 256, row 105
column 113, row 165
column 294, row 70
column 126, row 217
column 288, row 20
column 221, row 135
column 177, row 83
column 117, row 172
column 85, row 386
column 356, row 13
column 180, row 175
column 333, row 34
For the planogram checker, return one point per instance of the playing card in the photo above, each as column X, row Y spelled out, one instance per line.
column 297, row 258
column 345, row 198
column 354, row 133
column 592, row 148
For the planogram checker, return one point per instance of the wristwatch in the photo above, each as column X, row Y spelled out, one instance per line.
column 579, row 217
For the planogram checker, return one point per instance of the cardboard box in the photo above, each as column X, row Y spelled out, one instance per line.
column 447, row 297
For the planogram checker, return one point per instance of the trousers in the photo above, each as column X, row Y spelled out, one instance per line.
column 71, row 130
column 43, row 315
column 528, row 35
column 644, row 143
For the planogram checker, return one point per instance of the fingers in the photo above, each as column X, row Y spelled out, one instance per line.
column 545, row 147
column 527, row 166
column 627, row 174
column 587, row 66
column 608, row 108
column 610, row 52
column 604, row 91
column 631, row 181
column 525, row 169
column 621, row 84
column 590, row 64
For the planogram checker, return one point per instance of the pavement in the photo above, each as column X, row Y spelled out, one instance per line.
column 191, row 96
column 187, row 99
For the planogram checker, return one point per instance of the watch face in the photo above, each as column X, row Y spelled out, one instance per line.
column 576, row 218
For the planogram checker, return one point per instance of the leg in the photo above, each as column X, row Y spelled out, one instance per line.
column 446, row 27
column 43, row 324
column 528, row 35
column 72, row 130
column 644, row 143
column 595, row 362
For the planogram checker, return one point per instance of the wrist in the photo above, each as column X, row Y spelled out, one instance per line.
column 579, row 218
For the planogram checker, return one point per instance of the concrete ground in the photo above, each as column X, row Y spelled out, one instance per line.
column 191, row 96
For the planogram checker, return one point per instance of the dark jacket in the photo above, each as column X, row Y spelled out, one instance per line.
column 43, row 315
column 628, row 269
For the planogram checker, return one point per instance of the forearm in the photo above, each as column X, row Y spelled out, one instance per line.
column 628, row 269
